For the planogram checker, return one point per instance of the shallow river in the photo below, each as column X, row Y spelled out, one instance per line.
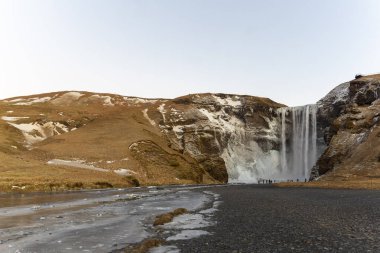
column 101, row 220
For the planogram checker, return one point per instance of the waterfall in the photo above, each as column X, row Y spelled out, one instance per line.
column 254, row 156
column 284, row 165
column 300, row 154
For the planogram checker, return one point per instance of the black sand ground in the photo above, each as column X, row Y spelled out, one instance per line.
column 268, row 219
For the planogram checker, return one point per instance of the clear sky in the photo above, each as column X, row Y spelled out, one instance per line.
column 291, row 51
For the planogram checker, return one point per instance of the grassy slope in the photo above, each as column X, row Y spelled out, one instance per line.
column 104, row 134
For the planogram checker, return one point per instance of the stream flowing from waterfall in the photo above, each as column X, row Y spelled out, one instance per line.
column 298, row 141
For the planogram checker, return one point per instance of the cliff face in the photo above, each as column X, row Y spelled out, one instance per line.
column 225, row 133
column 348, row 119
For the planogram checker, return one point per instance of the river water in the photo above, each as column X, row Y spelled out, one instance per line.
column 100, row 220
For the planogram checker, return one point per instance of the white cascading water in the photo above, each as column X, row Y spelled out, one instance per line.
column 248, row 162
column 298, row 155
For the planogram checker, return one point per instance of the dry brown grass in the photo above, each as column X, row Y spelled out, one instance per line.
column 168, row 217
column 145, row 245
column 375, row 76
column 370, row 183
column 26, row 176
column 104, row 133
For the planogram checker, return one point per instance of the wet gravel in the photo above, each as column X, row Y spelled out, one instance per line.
column 269, row 219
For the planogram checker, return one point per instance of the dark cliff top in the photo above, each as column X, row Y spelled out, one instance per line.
column 375, row 76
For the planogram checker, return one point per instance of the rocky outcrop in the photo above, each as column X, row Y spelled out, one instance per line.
column 348, row 119
column 224, row 133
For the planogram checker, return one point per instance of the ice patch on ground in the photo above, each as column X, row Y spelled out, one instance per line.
column 187, row 226
column 187, row 234
column 164, row 249
column 188, row 221
column 75, row 163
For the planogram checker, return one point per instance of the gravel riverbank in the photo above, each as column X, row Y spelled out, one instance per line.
column 269, row 219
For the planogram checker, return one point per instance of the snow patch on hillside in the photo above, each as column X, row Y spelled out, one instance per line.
column 5, row 118
column 162, row 110
column 134, row 100
column 145, row 113
column 228, row 101
column 222, row 120
column 68, row 97
column 106, row 100
column 124, row 172
column 178, row 130
column 75, row 163
column 37, row 132
column 29, row 101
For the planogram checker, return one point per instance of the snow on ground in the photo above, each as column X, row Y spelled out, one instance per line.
column 176, row 115
column 68, row 97
column 145, row 113
column 107, row 100
column 5, row 118
column 36, row 132
column 228, row 101
column 162, row 110
column 124, row 172
column 29, row 101
column 178, row 130
column 217, row 120
column 134, row 100
column 273, row 128
column 75, row 163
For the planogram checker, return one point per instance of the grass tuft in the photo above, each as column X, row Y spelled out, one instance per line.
column 168, row 217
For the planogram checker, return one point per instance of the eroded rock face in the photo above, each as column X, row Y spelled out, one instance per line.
column 238, row 134
column 348, row 120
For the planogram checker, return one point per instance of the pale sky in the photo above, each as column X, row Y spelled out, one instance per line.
column 291, row 51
